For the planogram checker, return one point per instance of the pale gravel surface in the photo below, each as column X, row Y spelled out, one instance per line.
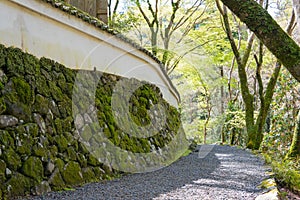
column 225, row 173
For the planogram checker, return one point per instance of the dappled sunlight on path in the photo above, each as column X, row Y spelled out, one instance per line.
column 224, row 173
column 237, row 177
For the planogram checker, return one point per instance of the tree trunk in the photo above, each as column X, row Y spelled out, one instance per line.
column 295, row 147
column 154, row 40
column 207, row 119
column 204, row 134
column 269, row 32
column 248, row 98
column 267, row 95
column 296, row 6
column 232, row 139
column 222, row 103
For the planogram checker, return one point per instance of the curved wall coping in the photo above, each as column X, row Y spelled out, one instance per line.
column 43, row 30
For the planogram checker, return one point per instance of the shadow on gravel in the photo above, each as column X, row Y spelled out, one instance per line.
column 142, row 186
column 191, row 171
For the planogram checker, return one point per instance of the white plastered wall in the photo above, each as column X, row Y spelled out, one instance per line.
column 42, row 30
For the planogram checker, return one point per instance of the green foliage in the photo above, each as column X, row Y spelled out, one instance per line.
column 279, row 132
column 124, row 22
column 234, row 118
column 287, row 172
column 282, row 116
column 234, row 125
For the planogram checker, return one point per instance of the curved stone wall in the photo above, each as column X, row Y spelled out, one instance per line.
column 111, row 110
column 47, row 144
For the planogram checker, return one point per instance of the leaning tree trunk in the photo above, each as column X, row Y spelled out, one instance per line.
column 295, row 147
column 269, row 32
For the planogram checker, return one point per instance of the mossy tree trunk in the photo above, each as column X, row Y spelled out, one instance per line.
column 269, row 32
column 266, row 95
column 295, row 147
column 254, row 127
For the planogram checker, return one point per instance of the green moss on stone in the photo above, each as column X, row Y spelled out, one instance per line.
column 12, row 159
column 65, row 106
column 82, row 148
column 81, row 159
column 88, row 174
column 58, row 126
column 3, row 55
column 32, row 129
column 15, row 103
column 99, row 172
column 53, row 151
column 56, row 180
column 55, row 91
column 2, row 105
column 33, row 167
column 107, row 170
column 93, row 143
column 6, row 139
column 31, row 64
column 41, row 151
column 59, row 163
column 61, row 82
column 42, row 86
column 93, row 161
column 145, row 145
column 57, row 67
column 41, row 105
column 46, row 64
column 68, row 124
column 71, row 140
column 23, row 90
column 69, row 89
column 75, row 145
column 24, row 144
column 116, row 138
column 62, row 143
column 69, row 74
column 1, row 85
column 71, row 153
column 14, row 61
column 2, row 171
column 72, row 174
column 18, row 185
column 86, row 133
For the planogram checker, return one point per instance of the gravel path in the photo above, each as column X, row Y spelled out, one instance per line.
column 222, row 173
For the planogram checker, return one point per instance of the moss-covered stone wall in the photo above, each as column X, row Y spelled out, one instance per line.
column 40, row 150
